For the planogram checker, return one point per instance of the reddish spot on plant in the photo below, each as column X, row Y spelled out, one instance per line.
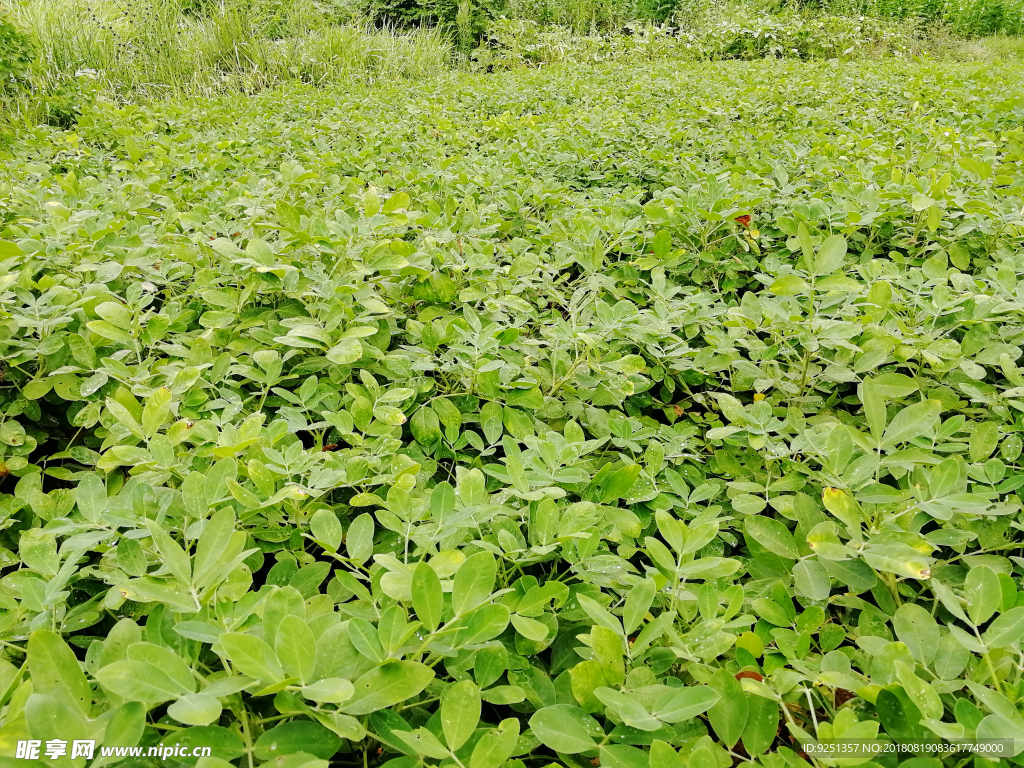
column 749, row 675
column 744, row 220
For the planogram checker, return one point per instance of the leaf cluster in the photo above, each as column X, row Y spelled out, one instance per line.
column 631, row 417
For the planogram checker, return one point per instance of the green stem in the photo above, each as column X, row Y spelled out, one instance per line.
column 988, row 662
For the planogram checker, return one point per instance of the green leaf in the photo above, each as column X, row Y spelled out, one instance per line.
column 487, row 622
column 921, row 202
column 916, row 628
column 346, row 351
column 91, row 497
column 728, row 716
column 216, row 485
column 55, row 670
column 762, row 725
column 460, row 712
column 999, row 727
column 371, row 202
column 252, row 656
column 473, row 582
column 895, row 385
column 812, row 579
column 156, row 411
column 806, row 244
column 638, row 602
column 442, row 500
column 213, row 546
column 326, row 528
column 397, row 202
column 48, row 717
column 1006, row 629
column 174, row 556
column 529, row 628
column 424, row 742
column 167, row 661
column 366, row 639
column 685, row 703
column 9, row 250
column 911, row 422
column 427, row 598
column 951, row 658
column 332, row 690
column 125, row 725
column 623, row 756
column 425, row 426
column 124, row 417
column 663, row 756
column 949, row 599
column 139, row 681
column 195, row 709
column 386, row 686
column 791, row 285
column 617, row 485
column 627, row 364
column 388, row 414
column 491, row 421
column 496, row 746
column 295, row 646
column 830, row 256
column 924, row 696
column 874, row 408
column 772, row 535
column 244, row 496
column 225, row 744
column 984, row 438
column 112, row 332
column 359, row 542
column 565, row 728
column 602, row 617
column 982, row 590
column 297, row 736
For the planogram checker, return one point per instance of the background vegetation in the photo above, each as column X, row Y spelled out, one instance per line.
column 58, row 55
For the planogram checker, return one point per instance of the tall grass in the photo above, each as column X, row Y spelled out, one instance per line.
column 967, row 18
column 133, row 49
column 589, row 16
column 162, row 48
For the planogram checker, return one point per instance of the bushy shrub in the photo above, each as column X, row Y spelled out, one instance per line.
column 16, row 52
column 736, row 34
column 581, row 16
column 976, row 18
column 515, row 43
column 740, row 34
column 967, row 18
column 61, row 101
